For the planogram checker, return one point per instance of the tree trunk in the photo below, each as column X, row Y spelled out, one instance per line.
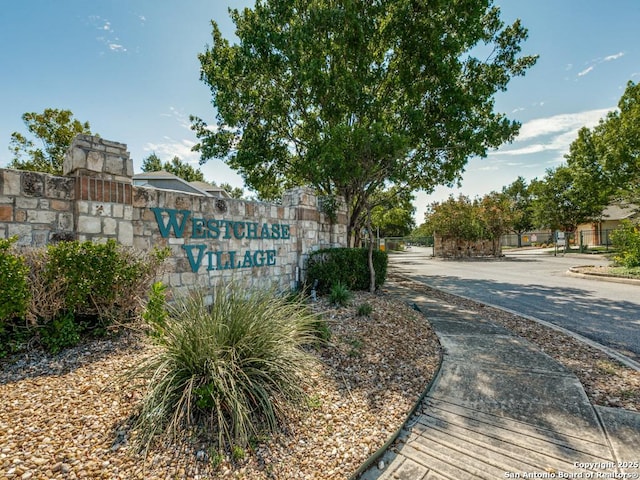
column 372, row 270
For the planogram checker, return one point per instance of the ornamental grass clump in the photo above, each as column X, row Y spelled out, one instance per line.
column 232, row 370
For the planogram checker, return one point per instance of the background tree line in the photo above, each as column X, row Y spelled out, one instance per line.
column 601, row 168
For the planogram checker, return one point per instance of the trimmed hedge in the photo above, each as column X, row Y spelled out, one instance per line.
column 346, row 265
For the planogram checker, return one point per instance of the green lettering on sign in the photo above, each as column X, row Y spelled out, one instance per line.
column 174, row 222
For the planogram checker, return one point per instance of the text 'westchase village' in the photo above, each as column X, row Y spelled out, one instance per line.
column 176, row 221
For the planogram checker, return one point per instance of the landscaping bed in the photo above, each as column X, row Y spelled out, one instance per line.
column 66, row 415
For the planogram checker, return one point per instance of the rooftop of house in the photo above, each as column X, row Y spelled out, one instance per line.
column 164, row 180
column 620, row 211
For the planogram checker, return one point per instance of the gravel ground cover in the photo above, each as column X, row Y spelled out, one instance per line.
column 65, row 416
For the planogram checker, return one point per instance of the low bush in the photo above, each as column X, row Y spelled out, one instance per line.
column 364, row 310
column 14, row 292
column 339, row 294
column 626, row 240
column 14, row 297
column 61, row 333
column 236, row 367
column 346, row 265
column 58, row 293
column 101, row 281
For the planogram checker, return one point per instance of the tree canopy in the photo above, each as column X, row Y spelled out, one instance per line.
column 518, row 195
column 559, row 202
column 602, row 166
column 618, row 143
column 234, row 192
column 176, row 166
column 393, row 216
column 605, row 160
column 355, row 96
column 486, row 218
column 49, row 136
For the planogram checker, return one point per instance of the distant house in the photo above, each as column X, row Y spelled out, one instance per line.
column 598, row 233
column 164, row 180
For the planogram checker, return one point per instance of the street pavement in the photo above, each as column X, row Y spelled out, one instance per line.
column 536, row 284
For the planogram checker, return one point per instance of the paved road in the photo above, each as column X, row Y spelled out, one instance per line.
column 537, row 285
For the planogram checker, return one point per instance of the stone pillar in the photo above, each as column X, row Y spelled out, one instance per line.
column 103, row 172
column 96, row 157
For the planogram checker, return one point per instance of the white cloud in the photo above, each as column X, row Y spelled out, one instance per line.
column 559, row 124
column 597, row 61
column 613, row 57
column 107, row 38
column 180, row 117
column 115, row 47
column 528, row 150
column 552, row 135
column 174, row 148
column 585, row 71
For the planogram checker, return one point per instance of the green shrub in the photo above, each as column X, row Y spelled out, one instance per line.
column 14, row 298
column 626, row 240
column 235, row 367
column 347, row 265
column 64, row 290
column 63, row 332
column 14, row 291
column 339, row 294
column 102, row 282
column 155, row 313
column 364, row 310
column 237, row 453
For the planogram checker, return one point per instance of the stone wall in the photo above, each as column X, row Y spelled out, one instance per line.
column 35, row 207
column 456, row 248
column 209, row 238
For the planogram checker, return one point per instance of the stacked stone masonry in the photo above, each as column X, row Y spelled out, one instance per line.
column 456, row 248
column 209, row 238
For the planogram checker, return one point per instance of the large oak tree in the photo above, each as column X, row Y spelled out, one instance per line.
column 355, row 96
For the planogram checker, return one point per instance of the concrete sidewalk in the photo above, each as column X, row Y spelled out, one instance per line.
column 501, row 408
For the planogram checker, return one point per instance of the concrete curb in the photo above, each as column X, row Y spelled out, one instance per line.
column 603, row 277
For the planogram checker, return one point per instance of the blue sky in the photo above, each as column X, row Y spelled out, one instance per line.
column 130, row 68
